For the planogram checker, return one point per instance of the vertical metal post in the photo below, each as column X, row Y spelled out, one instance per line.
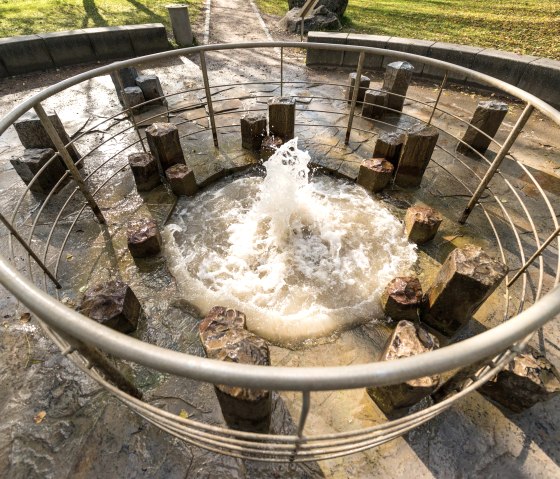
column 305, row 406
column 59, row 145
column 355, row 95
column 131, row 116
column 208, row 97
column 504, row 150
column 27, row 248
column 441, row 87
column 302, row 25
column 281, row 71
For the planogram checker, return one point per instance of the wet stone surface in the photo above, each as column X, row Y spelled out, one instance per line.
column 375, row 174
column 182, row 180
column 163, row 140
column 143, row 238
column 363, row 86
column 408, row 339
column 145, row 170
column 402, row 298
column 32, row 161
column 112, row 304
column 421, row 223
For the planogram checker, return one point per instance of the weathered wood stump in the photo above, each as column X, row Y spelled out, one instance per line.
column 145, row 170
column 416, row 153
column 224, row 337
column 402, row 299
column 253, row 131
column 163, row 140
column 270, row 145
column 282, row 117
column 530, row 378
column 133, row 98
column 396, row 81
column 375, row 174
column 363, row 86
column 408, row 339
column 389, row 146
column 32, row 134
column 375, row 102
column 421, row 223
column 143, row 238
column 32, row 161
column 181, row 179
column 123, row 78
column 487, row 117
column 151, row 89
column 112, row 304
column 466, row 279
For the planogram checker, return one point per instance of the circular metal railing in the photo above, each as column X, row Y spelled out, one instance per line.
column 518, row 241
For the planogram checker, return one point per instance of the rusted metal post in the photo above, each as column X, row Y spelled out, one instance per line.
column 441, row 87
column 355, row 92
column 208, row 97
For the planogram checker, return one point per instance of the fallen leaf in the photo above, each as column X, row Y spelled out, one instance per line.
column 184, row 414
column 39, row 417
column 25, row 318
column 69, row 257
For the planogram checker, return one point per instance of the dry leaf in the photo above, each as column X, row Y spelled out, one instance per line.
column 69, row 257
column 184, row 414
column 39, row 417
column 25, row 318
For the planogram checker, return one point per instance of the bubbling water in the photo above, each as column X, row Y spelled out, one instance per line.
column 303, row 259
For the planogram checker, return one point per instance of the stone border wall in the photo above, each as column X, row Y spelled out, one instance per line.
column 539, row 76
column 30, row 53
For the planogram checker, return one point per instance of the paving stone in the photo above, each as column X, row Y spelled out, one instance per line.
column 325, row 57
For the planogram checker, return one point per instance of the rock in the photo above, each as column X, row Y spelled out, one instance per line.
column 112, row 304
column 270, row 145
column 389, row 146
column 133, row 98
column 123, row 78
column 416, row 153
column 151, row 89
column 402, row 298
column 253, row 131
column 421, row 223
column 181, row 179
column 408, row 339
column 530, row 378
column 224, row 338
column 338, row 7
column 143, row 238
column 319, row 19
column 396, row 80
column 163, row 140
column 32, row 134
column 282, row 117
column 364, row 85
column 32, row 161
column 145, row 170
column 375, row 102
column 375, row 174
column 466, row 279
column 487, row 117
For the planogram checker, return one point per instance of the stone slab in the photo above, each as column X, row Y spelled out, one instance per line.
column 111, row 42
column 506, row 66
column 461, row 55
column 148, row 38
column 408, row 45
column 371, row 61
column 542, row 79
column 24, row 54
column 325, row 57
column 69, row 48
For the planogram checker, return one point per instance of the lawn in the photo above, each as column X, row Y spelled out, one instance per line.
column 530, row 27
column 24, row 17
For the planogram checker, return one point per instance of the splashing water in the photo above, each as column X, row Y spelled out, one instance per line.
column 302, row 259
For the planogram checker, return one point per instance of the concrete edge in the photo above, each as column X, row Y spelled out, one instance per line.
column 536, row 75
column 74, row 47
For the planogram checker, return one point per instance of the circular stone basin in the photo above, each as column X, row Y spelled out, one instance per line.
column 303, row 259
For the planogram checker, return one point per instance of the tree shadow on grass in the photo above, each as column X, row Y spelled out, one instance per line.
column 152, row 16
column 93, row 12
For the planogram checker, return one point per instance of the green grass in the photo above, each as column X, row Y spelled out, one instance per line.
column 529, row 27
column 24, row 17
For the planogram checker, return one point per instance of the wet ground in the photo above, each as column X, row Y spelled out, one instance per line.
column 87, row 433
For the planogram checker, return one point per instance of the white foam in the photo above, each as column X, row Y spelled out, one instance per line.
column 301, row 259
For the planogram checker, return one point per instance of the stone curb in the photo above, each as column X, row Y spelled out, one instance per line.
column 539, row 76
column 29, row 53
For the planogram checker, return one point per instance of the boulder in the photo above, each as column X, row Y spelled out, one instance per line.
column 112, row 304
column 319, row 19
column 338, row 7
